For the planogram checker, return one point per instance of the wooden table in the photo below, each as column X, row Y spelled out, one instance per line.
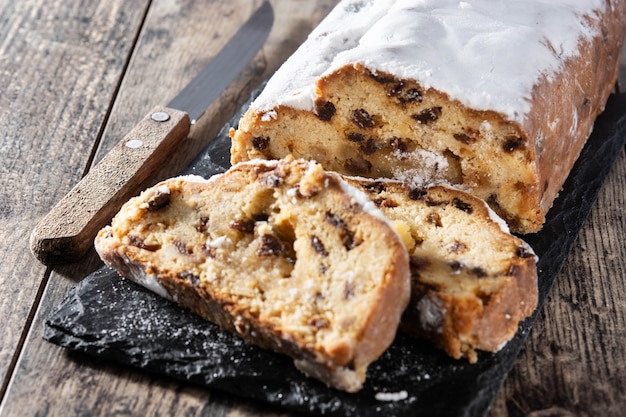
column 76, row 76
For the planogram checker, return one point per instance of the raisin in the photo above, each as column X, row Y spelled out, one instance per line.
column 479, row 272
column 435, row 219
column 484, row 298
column 355, row 137
column 416, row 193
column 382, row 78
column 335, row 220
column 462, row 205
column 348, row 290
column 325, row 110
column 455, row 266
column 493, row 200
column 512, row 144
column 413, row 94
column 318, row 246
column 319, row 323
column 260, row 143
column 464, row 138
column 261, row 217
column 362, row 119
column 434, row 203
column 139, row 243
column 136, row 241
column 385, row 202
column 347, row 236
column 189, row 276
column 405, row 96
column 396, row 89
column 458, row 247
column 428, row 115
column 323, row 269
column 202, row 222
column 159, row 200
column 399, row 144
column 375, row 187
column 271, row 180
column 270, row 246
column 370, row 147
column 358, row 166
column 244, row 226
column 182, row 248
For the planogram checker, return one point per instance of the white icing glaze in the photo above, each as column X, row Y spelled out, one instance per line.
column 488, row 54
column 149, row 281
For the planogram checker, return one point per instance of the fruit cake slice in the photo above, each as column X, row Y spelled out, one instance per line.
column 472, row 282
column 282, row 253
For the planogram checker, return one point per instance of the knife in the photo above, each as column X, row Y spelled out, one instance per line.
column 66, row 233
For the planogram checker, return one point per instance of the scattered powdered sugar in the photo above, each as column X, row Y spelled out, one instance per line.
column 392, row 396
column 427, row 168
column 268, row 116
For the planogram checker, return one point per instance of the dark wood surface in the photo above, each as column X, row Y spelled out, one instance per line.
column 76, row 76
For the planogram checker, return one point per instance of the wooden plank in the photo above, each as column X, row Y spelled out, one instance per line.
column 60, row 62
column 177, row 40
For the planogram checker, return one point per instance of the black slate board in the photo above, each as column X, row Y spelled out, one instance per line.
column 115, row 319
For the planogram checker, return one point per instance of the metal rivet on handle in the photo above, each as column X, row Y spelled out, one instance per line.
column 134, row 144
column 160, row 116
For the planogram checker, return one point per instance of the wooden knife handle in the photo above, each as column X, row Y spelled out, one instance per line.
column 67, row 232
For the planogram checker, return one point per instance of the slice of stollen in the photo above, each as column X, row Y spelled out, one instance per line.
column 282, row 253
column 472, row 282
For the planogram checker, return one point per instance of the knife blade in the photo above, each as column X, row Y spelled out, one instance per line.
column 66, row 233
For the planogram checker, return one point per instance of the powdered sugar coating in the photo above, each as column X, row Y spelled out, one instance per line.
column 487, row 54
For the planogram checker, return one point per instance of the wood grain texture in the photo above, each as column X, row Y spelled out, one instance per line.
column 67, row 232
column 59, row 67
